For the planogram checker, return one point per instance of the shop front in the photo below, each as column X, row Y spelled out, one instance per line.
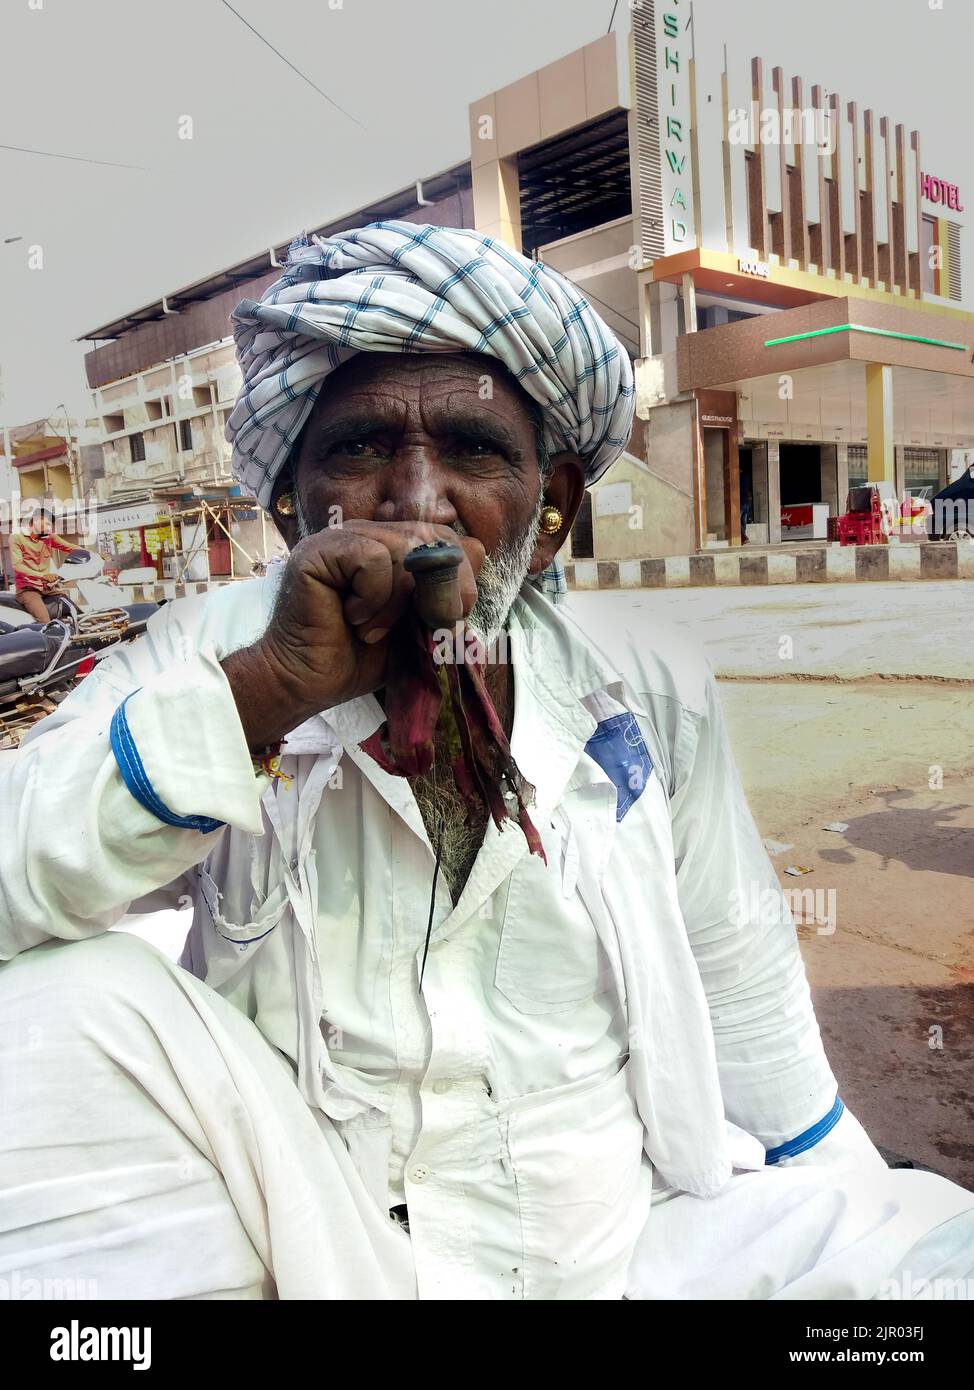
column 795, row 409
column 140, row 536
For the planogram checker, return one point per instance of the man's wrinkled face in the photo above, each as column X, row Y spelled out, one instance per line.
column 445, row 439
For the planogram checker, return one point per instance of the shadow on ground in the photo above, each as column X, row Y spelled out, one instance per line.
column 904, row 1060
column 919, row 837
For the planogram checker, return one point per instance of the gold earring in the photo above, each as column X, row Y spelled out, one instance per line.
column 551, row 520
column 284, row 506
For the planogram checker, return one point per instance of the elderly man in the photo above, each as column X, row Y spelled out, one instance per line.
column 603, row 1079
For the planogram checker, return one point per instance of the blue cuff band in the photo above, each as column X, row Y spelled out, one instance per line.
column 134, row 776
column 809, row 1137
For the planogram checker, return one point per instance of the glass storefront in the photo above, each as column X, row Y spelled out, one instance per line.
column 921, row 471
column 858, row 469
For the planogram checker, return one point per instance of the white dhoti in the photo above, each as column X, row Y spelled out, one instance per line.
column 154, row 1145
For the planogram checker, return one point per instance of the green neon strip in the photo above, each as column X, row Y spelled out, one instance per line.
column 861, row 328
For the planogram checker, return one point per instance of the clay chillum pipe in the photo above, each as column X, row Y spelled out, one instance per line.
column 435, row 571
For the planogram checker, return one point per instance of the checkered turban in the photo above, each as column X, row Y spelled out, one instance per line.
column 401, row 287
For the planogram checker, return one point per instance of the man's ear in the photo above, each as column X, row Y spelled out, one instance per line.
column 287, row 526
column 564, row 489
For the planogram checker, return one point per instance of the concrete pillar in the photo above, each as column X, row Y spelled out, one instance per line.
column 774, row 492
column 669, row 297
column 879, row 422
column 830, row 490
column 497, row 200
column 842, row 474
column 899, row 469
column 650, row 323
column 732, row 488
column 759, row 479
column 689, row 303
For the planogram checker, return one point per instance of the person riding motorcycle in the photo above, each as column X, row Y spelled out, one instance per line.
column 33, row 566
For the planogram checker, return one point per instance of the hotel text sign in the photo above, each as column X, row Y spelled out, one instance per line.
column 939, row 191
column 673, row 52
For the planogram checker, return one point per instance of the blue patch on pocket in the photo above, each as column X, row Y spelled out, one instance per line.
column 618, row 747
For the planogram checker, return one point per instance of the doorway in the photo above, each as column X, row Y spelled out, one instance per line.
column 581, row 532
column 218, row 547
column 745, row 459
column 801, row 473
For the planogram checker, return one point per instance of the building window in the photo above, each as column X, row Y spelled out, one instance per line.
column 953, row 287
column 921, row 471
column 184, row 438
column 137, row 447
column 858, row 468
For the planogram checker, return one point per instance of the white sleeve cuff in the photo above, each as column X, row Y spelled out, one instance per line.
column 181, row 751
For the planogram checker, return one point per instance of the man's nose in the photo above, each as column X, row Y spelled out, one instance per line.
column 415, row 488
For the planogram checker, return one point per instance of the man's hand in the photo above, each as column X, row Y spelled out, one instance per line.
column 327, row 641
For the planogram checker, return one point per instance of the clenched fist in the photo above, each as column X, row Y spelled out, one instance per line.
column 343, row 589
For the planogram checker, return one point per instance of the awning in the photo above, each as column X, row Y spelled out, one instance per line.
column 40, row 455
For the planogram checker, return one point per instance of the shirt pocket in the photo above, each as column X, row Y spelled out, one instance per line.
column 620, row 751
column 550, row 958
column 576, row 1154
column 239, row 922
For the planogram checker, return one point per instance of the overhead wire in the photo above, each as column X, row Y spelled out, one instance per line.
column 304, row 77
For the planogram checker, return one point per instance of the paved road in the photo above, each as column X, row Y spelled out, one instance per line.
column 853, row 630
column 897, row 975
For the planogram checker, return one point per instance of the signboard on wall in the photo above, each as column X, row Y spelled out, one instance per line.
column 674, row 47
column 937, row 190
column 717, row 409
column 662, row 47
column 131, row 518
column 614, row 499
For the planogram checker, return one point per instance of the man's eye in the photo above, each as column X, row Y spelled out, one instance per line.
column 475, row 448
column 357, row 449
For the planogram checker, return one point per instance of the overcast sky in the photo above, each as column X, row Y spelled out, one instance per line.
column 110, row 80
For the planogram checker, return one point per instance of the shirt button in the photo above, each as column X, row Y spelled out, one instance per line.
column 441, row 1087
column 420, row 1173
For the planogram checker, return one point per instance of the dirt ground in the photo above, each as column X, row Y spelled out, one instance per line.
column 894, row 984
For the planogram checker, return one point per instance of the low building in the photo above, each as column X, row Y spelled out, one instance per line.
column 49, row 463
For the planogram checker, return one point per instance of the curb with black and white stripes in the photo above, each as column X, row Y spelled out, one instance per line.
column 826, row 565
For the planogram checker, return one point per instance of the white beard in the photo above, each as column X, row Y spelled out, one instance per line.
column 500, row 579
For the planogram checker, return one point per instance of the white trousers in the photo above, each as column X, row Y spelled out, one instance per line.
column 154, row 1145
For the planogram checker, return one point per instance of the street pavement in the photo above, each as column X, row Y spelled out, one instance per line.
column 894, row 761
column 843, row 630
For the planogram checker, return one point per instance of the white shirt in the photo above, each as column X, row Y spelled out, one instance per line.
column 580, row 1025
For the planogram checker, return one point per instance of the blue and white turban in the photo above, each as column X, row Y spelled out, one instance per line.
column 401, row 287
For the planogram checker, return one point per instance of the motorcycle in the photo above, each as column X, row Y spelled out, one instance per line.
column 41, row 662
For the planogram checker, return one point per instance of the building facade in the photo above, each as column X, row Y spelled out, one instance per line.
column 785, row 266
column 49, row 466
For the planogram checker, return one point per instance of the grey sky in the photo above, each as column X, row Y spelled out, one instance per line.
column 110, row 79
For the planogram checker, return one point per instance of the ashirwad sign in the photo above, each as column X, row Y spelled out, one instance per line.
column 674, row 49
